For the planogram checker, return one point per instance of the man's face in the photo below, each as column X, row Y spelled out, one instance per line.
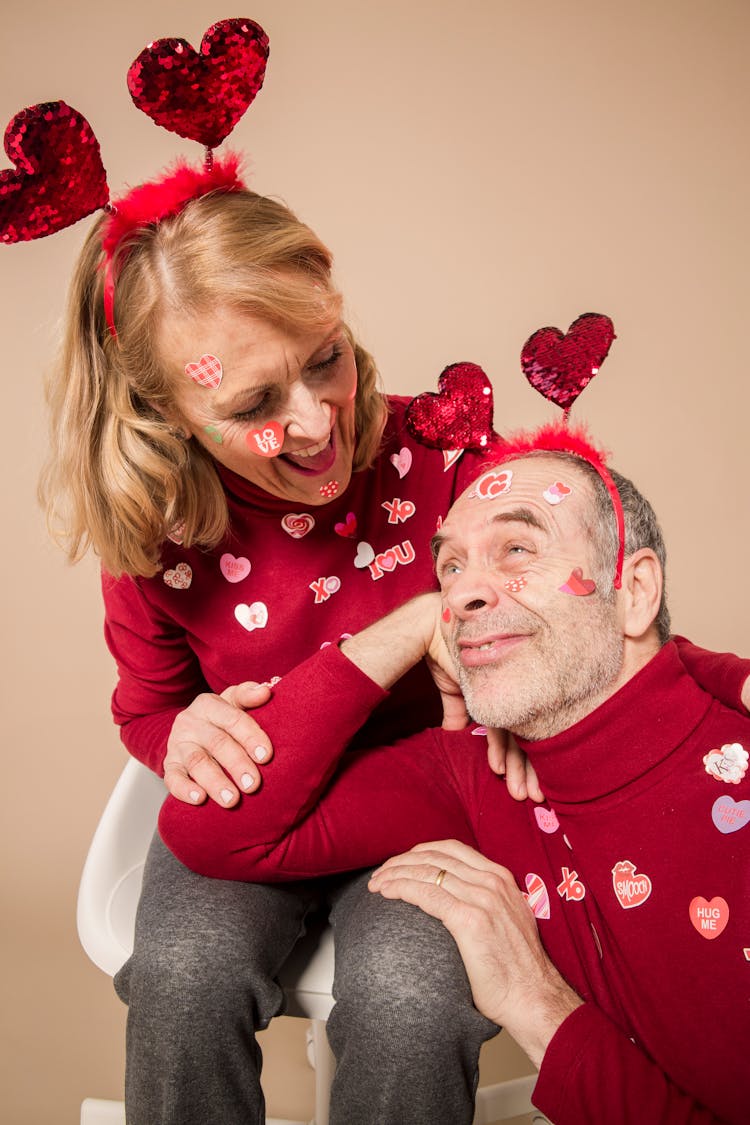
column 536, row 647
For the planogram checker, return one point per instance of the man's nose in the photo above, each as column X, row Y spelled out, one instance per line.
column 471, row 592
column 308, row 415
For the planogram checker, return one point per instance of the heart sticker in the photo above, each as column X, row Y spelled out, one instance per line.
column 207, row 372
column 202, row 94
column 401, row 461
column 268, row 441
column 364, row 556
column 329, row 489
column 632, row 889
column 559, row 365
column 515, row 585
column 59, row 176
column 729, row 815
column 729, row 764
column 537, row 896
column 298, row 524
column 577, row 584
column 546, row 819
column 179, row 578
column 253, row 616
column 709, row 918
column 556, row 492
column 459, row 415
column 492, row 484
column 347, row 529
column 234, row 569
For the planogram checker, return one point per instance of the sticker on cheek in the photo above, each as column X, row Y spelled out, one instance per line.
column 207, row 372
column 556, row 492
column 268, row 441
column 330, row 489
column 446, row 615
column 214, row 434
column 578, row 585
column 515, row 585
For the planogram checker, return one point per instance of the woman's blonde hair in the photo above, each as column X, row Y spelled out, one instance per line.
column 119, row 477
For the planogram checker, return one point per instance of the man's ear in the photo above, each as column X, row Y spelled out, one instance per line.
column 642, row 585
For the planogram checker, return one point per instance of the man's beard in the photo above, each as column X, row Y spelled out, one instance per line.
column 557, row 678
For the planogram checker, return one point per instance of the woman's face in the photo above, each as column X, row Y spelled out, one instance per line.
column 282, row 416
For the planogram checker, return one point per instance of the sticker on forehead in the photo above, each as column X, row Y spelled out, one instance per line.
column 556, row 492
column 268, row 441
column 207, row 372
column 492, row 484
column 577, row 584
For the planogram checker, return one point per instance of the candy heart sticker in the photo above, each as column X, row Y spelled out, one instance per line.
column 559, row 365
column 268, row 441
column 59, row 176
column 251, row 617
column 179, row 578
column 329, row 490
column 537, row 896
column 729, row 815
column 546, row 819
column 298, row 524
column 364, row 556
column 401, row 461
column 450, row 456
column 515, row 585
column 459, row 415
column 632, row 889
column 495, row 483
column 556, row 492
column 577, row 584
column 709, row 918
column 347, row 529
column 234, row 569
column 207, row 372
column 728, row 764
column 201, row 95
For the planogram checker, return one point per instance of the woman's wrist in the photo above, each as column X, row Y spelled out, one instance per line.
column 387, row 649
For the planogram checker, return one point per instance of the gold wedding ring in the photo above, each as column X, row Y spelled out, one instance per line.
column 440, row 876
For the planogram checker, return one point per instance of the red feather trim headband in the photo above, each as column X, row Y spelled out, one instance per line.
column 558, row 365
column 59, row 177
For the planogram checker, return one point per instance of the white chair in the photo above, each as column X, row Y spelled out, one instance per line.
column 107, row 899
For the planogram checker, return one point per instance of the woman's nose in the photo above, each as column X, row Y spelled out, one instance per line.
column 308, row 416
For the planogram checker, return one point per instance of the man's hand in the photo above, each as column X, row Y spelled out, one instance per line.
column 507, row 759
column 513, row 982
column 214, row 735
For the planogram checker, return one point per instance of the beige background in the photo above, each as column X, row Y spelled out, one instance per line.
column 480, row 169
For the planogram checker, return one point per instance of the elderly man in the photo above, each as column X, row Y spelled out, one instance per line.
column 608, row 929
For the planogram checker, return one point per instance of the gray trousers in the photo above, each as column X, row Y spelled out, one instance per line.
column 202, row 980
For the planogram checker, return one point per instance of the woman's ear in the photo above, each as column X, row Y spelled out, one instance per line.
column 642, row 586
column 178, row 428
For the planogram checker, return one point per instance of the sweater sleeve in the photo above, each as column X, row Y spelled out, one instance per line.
column 721, row 674
column 592, row 1072
column 299, row 824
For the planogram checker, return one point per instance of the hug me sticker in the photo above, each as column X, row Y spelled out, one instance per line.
column 709, row 918
column 728, row 764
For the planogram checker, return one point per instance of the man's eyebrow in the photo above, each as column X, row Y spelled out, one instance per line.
column 517, row 515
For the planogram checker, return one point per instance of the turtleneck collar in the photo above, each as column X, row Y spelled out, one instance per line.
column 246, row 493
column 624, row 738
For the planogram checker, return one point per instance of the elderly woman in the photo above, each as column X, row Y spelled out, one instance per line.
column 222, row 446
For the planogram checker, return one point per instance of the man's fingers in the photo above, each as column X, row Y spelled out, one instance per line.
column 497, row 742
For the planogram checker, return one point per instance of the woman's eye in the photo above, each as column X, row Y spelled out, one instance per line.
column 252, row 412
column 327, row 360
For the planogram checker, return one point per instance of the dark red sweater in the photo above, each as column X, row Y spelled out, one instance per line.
column 638, row 865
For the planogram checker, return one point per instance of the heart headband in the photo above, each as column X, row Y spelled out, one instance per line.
column 60, row 178
column 558, row 365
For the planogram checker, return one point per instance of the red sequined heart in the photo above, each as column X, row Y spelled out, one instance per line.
column 459, row 416
column 60, row 177
column 559, row 365
column 201, row 95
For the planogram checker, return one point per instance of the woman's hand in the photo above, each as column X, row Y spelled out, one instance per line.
column 213, row 735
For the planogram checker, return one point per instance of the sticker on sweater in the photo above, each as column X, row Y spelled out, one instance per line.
column 571, row 888
column 348, row 528
column 492, row 484
column 268, row 441
column 631, row 887
column 324, row 587
column 556, row 492
column 329, row 489
column 298, row 524
column 179, row 578
column 234, row 569
column 536, row 895
column 450, row 456
column 399, row 511
column 729, row 764
column 272, row 682
column 401, row 461
column 546, row 819
column 387, row 561
column 341, row 637
column 253, row 616
column 207, row 372
column 177, row 533
column 746, row 953
column 364, row 555
column 709, row 918
column 729, row 815
column 577, row 585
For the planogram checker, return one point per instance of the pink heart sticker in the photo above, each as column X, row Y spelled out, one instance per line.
column 179, row 578
column 401, row 461
column 251, row 617
column 268, row 441
column 386, row 561
column 347, row 529
column 632, row 888
column 364, row 556
column 234, row 569
column 492, row 484
column 207, row 372
column 578, row 585
column 298, row 524
column 537, row 896
column 729, row 815
column 546, row 819
column 709, row 918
